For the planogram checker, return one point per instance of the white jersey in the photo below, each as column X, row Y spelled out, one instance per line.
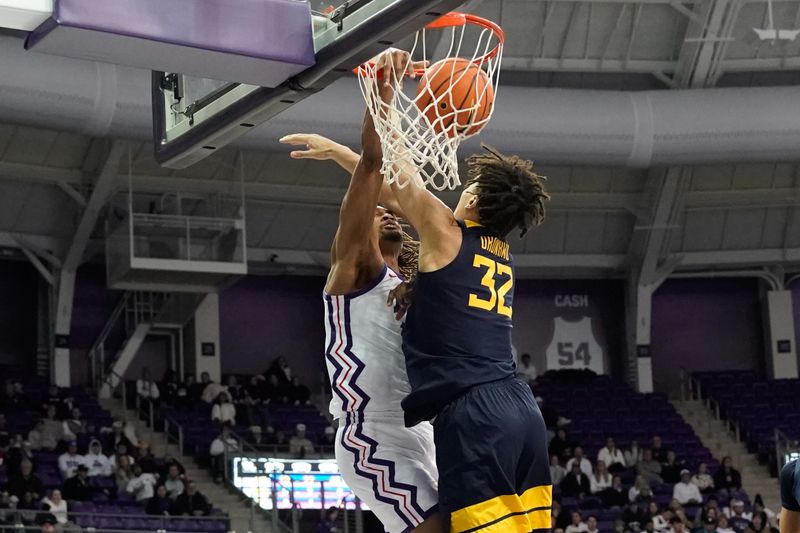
column 363, row 350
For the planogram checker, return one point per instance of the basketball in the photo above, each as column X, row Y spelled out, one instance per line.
column 456, row 96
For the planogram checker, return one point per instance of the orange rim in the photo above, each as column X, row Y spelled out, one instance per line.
column 455, row 19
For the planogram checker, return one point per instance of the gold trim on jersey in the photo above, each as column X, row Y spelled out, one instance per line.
column 507, row 513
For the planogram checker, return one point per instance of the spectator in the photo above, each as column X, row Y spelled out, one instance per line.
column 659, row 453
column 663, row 522
column 619, row 526
column 299, row 394
column 167, row 463
column 123, row 472
column 280, row 440
column 640, row 491
column 274, row 391
column 191, row 502
column 27, row 506
column 723, row 525
column 195, row 387
column 281, row 370
column 52, row 430
column 677, row 525
column 141, row 485
column 649, row 526
column 526, row 371
column 299, row 445
column 727, row 478
column 600, row 479
column 633, row 516
column 48, row 526
column 145, row 458
column 55, row 399
column 759, row 524
column 218, row 446
column 671, row 469
column 74, row 425
column 576, row 483
column 174, row 484
column 552, row 420
column 235, row 391
column 70, row 460
column 615, row 495
column 557, row 472
column 25, row 481
column 677, row 510
column 758, row 506
column 709, row 525
column 223, row 412
column 561, row 445
column 118, row 437
column 703, row 480
column 737, row 517
column 591, row 525
column 146, row 388
column 685, row 491
column 211, row 390
column 559, row 517
column 97, row 463
column 57, row 507
column 259, row 439
column 577, row 525
column 5, row 435
column 328, row 439
column 17, row 454
column 36, row 436
column 612, row 456
column 586, row 466
column 633, row 455
column 649, row 468
column 328, row 524
column 77, row 487
column 160, row 504
column 122, row 451
column 652, row 510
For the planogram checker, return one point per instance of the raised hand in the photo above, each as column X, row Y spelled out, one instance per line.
column 317, row 147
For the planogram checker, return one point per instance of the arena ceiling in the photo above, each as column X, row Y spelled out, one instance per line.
column 602, row 221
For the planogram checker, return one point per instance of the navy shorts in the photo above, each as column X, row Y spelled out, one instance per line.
column 494, row 470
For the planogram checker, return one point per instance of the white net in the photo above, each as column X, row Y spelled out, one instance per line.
column 451, row 99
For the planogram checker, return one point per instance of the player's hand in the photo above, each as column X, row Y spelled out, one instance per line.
column 316, row 146
column 400, row 299
column 392, row 66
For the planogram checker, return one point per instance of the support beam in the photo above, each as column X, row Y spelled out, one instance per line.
column 72, row 193
column 103, row 188
column 37, row 264
column 43, row 247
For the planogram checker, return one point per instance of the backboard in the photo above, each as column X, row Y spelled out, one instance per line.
column 193, row 117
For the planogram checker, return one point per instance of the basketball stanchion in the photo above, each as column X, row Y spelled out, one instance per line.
column 421, row 131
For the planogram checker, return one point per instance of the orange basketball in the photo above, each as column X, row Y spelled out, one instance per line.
column 456, row 96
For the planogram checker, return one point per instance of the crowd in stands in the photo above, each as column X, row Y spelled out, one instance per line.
column 65, row 462
column 632, row 483
column 270, row 412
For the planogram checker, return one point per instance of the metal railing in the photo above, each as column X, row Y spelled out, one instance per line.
column 783, row 446
column 97, row 354
column 175, row 433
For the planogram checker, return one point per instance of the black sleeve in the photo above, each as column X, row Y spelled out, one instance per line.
column 788, row 492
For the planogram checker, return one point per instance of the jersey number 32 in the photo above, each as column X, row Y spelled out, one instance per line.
column 495, row 273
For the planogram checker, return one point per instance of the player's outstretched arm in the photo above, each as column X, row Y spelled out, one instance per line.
column 322, row 148
column 352, row 240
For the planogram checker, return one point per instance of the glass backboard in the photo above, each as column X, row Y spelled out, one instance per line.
column 193, row 116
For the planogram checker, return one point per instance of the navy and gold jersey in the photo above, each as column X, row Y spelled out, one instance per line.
column 458, row 331
column 790, row 486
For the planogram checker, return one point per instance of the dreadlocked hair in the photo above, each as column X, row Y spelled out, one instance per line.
column 408, row 261
column 510, row 193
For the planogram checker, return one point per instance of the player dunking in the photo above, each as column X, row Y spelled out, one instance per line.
column 491, row 441
column 388, row 466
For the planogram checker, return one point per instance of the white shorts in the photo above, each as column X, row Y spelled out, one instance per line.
column 391, row 468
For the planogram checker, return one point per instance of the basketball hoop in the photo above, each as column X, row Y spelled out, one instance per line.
column 420, row 132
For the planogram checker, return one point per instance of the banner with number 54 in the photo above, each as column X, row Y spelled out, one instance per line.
column 574, row 346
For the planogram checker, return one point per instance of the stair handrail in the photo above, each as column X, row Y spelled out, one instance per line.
column 98, row 346
column 783, row 445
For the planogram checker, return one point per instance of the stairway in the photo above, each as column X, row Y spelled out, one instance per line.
column 244, row 518
column 722, row 442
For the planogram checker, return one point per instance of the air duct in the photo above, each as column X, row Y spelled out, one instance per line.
column 554, row 126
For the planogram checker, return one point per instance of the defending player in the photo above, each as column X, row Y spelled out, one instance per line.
column 388, row 466
column 491, row 441
column 790, row 497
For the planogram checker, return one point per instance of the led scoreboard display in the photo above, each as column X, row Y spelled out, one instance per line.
column 303, row 483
